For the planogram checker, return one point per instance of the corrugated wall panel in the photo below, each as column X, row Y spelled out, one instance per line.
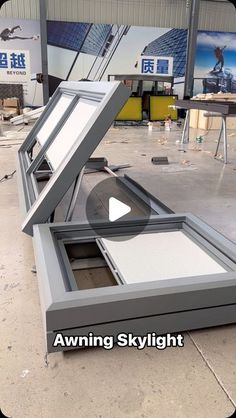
column 160, row 13
column 139, row 12
column 217, row 16
column 166, row 13
column 21, row 9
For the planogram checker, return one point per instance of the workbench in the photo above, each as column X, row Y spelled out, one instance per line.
column 220, row 107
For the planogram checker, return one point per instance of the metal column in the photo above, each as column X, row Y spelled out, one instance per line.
column 223, row 131
column 191, row 47
column 44, row 52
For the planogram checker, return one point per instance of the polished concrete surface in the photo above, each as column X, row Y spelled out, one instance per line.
column 198, row 380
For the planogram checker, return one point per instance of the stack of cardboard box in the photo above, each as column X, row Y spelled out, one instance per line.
column 10, row 107
column 198, row 120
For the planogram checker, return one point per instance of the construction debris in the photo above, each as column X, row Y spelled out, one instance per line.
column 160, row 160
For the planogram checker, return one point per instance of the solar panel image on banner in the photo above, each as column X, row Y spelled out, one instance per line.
column 96, row 40
column 84, row 37
column 67, row 34
column 171, row 44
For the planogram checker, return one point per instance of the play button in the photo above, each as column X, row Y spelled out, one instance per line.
column 111, row 205
column 117, row 209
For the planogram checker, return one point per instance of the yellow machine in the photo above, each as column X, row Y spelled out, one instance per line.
column 150, row 99
column 159, row 107
column 132, row 110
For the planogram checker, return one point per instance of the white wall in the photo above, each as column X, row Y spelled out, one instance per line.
column 219, row 16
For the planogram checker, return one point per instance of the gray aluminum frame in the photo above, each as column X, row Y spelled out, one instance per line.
column 109, row 98
column 159, row 306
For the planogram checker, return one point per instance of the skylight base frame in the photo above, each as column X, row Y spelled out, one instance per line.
column 162, row 306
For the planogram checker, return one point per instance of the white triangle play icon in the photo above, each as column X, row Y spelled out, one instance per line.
column 117, row 209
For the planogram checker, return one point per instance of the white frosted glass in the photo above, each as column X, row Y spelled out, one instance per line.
column 53, row 118
column 69, row 133
column 160, row 256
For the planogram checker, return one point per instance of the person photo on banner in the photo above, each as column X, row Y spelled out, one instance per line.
column 219, row 54
column 8, row 34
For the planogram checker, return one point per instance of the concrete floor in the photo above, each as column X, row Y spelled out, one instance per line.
column 198, row 380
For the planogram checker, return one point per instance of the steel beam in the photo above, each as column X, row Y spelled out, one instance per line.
column 191, row 47
column 44, row 52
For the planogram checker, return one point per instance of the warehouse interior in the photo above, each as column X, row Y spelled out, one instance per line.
column 117, row 153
